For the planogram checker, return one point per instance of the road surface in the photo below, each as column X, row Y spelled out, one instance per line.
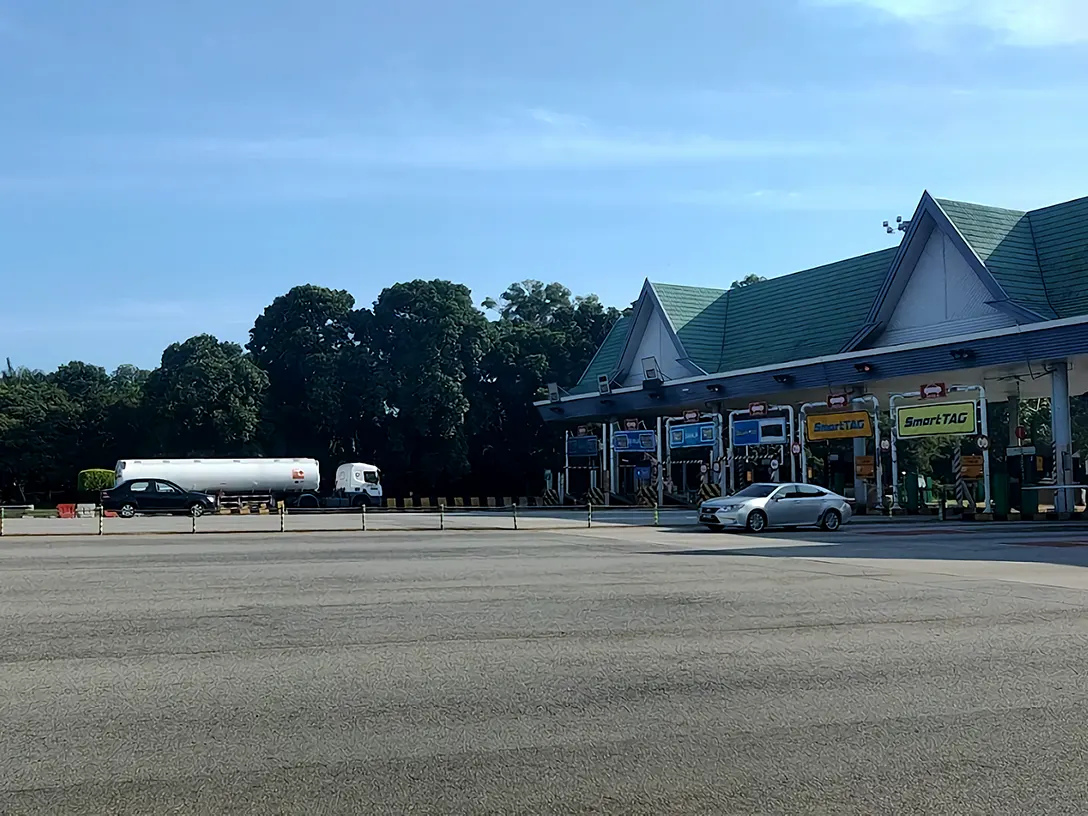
column 620, row 671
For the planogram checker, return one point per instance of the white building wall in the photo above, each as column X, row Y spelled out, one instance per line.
column 657, row 342
column 943, row 297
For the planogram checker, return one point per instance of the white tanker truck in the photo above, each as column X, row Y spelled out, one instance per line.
column 296, row 482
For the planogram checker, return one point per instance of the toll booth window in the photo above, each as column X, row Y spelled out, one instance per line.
column 772, row 430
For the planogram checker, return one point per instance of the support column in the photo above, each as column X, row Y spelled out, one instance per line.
column 660, row 466
column 1063, row 435
column 1014, row 420
column 861, row 495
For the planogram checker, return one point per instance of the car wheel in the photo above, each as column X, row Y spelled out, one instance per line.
column 831, row 521
column 757, row 522
column 127, row 511
column 196, row 510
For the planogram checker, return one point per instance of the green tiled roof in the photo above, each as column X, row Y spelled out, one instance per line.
column 806, row 314
column 1039, row 258
column 606, row 358
column 698, row 315
column 1003, row 240
column 1061, row 240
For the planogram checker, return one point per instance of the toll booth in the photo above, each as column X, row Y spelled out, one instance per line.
column 634, row 459
column 848, row 431
column 761, row 445
column 936, row 409
column 584, row 465
column 694, row 456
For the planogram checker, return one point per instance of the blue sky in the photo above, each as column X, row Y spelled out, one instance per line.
column 168, row 169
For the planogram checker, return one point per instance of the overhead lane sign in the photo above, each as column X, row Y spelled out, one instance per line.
column 937, row 419
column 845, row 425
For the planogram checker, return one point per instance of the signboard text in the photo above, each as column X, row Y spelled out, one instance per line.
column 935, row 420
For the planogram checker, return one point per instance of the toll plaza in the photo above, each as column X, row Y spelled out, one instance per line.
column 943, row 370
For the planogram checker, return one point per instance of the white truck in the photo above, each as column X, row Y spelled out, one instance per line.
column 296, row 482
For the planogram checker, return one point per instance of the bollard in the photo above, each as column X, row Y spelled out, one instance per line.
column 940, row 504
column 101, row 520
column 657, row 518
column 1, row 521
column 193, row 517
column 283, row 518
column 515, row 507
column 363, row 517
column 589, row 514
column 442, row 516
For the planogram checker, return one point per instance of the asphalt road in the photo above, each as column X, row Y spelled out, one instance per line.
column 380, row 520
column 604, row 671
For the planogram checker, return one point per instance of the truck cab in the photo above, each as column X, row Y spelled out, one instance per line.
column 360, row 483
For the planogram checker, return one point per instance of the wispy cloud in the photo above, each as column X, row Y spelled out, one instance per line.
column 566, row 146
column 1030, row 23
column 126, row 314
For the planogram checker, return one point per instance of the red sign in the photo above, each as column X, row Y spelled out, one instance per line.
column 757, row 408
column 297, row 474
column 1021, row 432
column 691, row 416
column 933, row 391
column 837, row 400
column 630, row 424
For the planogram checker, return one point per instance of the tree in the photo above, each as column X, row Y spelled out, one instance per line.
column 427, row 340
column 582, row 322
column 422, row 384
column 205, row 399
column 747, row 280
column 299, row 341
column 38, row 422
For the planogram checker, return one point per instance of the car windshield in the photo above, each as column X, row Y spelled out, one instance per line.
column 757, row 491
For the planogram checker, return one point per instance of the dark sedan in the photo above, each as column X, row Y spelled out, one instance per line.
column 155, row 496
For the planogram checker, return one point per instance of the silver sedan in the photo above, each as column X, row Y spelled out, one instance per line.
column 759, row 506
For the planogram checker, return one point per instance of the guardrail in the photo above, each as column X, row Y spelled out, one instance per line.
column 345, row 520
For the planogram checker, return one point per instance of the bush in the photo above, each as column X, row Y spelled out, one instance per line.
column 94, row 480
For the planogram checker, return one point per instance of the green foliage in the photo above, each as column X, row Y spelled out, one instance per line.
column 204, row 399
column 94, row 479
column 421, row 383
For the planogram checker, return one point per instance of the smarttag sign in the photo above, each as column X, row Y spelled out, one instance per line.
column 936, row 420
column 845, row 425
column 696, row 435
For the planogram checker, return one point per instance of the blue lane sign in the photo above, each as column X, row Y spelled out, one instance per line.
column 635, row 441
column 582, row 446
column 770, row 431
column 746, row 432
column 696, row 435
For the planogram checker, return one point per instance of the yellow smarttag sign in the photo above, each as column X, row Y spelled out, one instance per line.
column 937, row 419
column 845, row 425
